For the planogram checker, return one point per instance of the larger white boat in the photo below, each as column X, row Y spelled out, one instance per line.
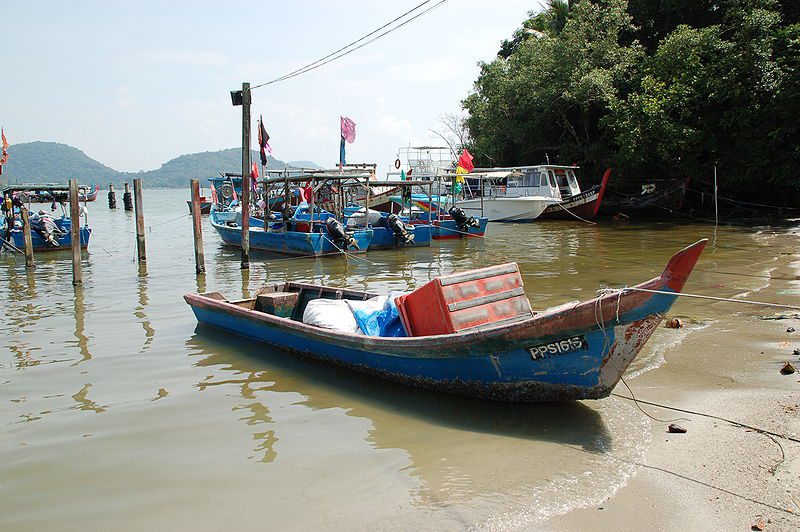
column 518, row 194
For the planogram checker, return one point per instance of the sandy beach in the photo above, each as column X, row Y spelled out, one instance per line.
column 718, row 476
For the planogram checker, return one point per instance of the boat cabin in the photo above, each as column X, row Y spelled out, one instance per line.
column 547, row 181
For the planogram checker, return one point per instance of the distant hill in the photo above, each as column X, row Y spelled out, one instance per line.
column 304, row 164
column 51, row 162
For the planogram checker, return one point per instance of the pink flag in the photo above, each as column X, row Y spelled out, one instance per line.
column 348, row 129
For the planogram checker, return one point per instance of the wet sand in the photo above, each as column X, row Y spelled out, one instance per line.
column 718, row 476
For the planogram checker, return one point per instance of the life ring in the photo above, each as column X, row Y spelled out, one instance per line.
column 397, row 164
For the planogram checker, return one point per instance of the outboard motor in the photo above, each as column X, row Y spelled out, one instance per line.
column 463, row 221
column 339, row 234
column 403, row 234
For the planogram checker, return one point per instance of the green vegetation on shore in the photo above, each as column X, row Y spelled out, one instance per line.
column 50, row 162
column 654, row 89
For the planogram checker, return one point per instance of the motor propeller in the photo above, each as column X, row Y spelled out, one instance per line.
column 339, row 234
column 402, row 232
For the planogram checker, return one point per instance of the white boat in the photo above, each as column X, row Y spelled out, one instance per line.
column 518, row 194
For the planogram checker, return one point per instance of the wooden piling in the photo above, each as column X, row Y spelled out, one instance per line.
column 112, row 197
column 137, row 200
column 197, row 226
column 26, row 232
column 75, row 232
column 245, row 176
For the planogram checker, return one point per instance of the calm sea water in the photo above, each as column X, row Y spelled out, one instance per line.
column 117, row 412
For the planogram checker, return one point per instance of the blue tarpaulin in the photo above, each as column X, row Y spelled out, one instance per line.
column 378, row 316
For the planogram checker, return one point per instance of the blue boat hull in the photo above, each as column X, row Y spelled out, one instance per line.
column 384, row 238
column 40, row 244
column 288, row 242
column 448, row 229
column 577, row 351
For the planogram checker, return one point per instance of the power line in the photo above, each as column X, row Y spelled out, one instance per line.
column 343, row 51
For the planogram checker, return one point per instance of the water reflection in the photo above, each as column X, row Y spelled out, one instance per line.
column 79, row 314
column 443, row 435
column 141, row 315
column 84, row 403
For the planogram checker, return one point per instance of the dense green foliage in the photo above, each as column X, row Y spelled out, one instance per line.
column 50, row 162
column 654, row 89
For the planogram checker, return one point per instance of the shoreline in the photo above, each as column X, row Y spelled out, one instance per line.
column 717, row 476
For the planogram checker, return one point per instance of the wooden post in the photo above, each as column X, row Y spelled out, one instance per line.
column 245, row 176
column 26, row 232
column 137, row 200
column 197, row 226
column 75, row 232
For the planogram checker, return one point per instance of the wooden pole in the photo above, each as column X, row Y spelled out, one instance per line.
column 75, row 232
column 112, row 197
column 26, row 232
column 245, row 176
column 138, row 207
column 197, row 226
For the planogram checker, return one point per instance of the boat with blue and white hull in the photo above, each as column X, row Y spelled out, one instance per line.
column 579, row 350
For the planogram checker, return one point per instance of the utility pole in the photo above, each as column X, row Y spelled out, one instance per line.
column 243, row 98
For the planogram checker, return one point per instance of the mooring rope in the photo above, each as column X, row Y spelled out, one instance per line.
column 150, row 227
column 619, row 291
column 576, row 216
column 346, row 254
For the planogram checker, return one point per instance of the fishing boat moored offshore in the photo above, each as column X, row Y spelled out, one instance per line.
column 476, row 332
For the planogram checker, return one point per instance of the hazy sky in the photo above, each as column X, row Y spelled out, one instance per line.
column 134, row 84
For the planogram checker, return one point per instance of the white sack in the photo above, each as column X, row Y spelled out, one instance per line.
column 330, row 314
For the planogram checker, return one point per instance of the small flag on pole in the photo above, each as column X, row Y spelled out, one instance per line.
column 4, row 153
column 348, row 134
column 465, row 162
column 263, row 141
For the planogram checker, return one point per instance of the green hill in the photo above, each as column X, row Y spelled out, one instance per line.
column 51, row 162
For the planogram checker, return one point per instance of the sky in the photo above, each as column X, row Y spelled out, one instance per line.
column 134, row 84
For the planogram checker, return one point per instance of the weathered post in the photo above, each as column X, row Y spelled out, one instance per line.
column 245, row 176
column 26, row 232
column 112, row 197
column 126, row 198
column 197, row 227
column 137, row 198
column 75, row 232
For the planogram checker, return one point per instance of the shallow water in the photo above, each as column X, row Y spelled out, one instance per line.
column 118, row 412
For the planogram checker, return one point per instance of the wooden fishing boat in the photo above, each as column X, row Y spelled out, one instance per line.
column 575, row 351
column 48, row 232
column 389, row 231
column 576, row 203
column 205, row 205
column 293, row 238
column 657, row 198
column 87, row 196
column 62, row 240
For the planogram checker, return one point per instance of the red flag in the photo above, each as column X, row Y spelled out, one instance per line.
column 263, row 141
column 214, row 198
column 254, row 171
column 465, row 161
column 4, row 156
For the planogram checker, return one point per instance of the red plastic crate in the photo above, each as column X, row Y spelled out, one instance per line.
column 465, row 300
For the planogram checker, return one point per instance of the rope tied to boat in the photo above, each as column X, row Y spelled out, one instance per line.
column 576, row 216
column 346, row 254
column 618, row 291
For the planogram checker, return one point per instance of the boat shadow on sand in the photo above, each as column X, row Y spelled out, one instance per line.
column 571, row 423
